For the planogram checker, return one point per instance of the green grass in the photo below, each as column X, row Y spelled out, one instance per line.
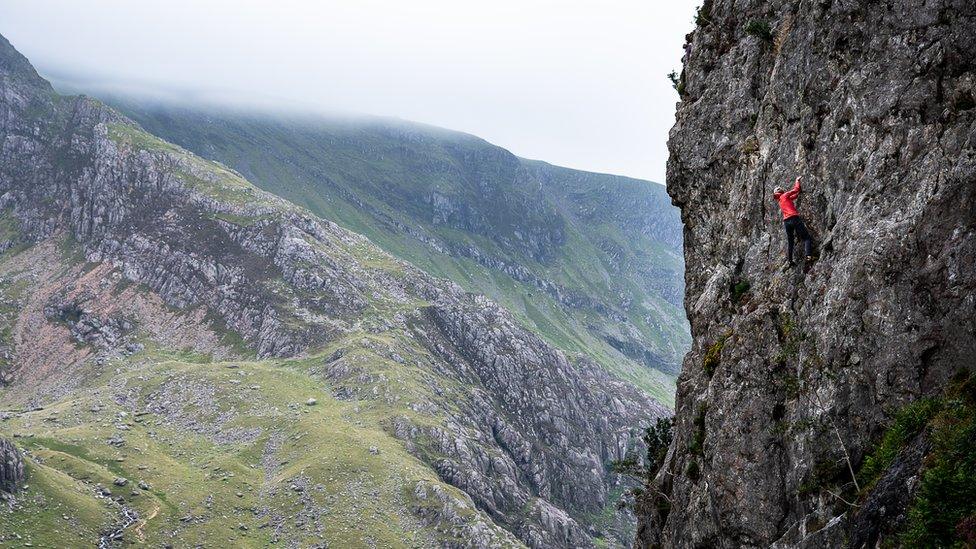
column 208, row 177
column 51, row 496
column 129, row 135
column 228, row 337
column 193, row 473
column 607, row 520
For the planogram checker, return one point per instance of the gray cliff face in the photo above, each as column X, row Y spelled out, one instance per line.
column 530, row 432
column 11, row 468
column 788, row 386
column 499, row 358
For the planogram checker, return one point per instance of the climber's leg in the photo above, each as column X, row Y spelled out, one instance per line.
column 790, row 229
column 801, row 231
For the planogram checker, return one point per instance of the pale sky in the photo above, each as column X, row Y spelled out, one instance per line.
column 579, row 84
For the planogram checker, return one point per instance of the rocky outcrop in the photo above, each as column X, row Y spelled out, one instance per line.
column 528, row 433
column 795, row 373
column 548, row 446
column 11, row 467
column 86, row 327
column 448, row 510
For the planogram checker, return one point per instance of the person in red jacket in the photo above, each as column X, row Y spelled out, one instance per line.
column 792, row 222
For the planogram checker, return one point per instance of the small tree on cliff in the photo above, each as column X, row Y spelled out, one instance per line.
column 657, row 439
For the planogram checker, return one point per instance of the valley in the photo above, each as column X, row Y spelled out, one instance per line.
column 188, row 358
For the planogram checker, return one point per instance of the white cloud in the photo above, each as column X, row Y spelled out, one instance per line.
column 580, row 84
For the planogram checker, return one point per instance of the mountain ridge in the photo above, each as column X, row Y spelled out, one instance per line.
column 520, row 231
column 188, row 358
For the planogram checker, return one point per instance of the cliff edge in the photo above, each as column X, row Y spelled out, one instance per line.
column 797, row 374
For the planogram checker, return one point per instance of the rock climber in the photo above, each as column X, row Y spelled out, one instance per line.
column 793, row 223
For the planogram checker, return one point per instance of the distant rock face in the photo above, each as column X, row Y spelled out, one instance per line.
column 602, row 250
column 793, row 377
column 11, row 467
column 526, row 400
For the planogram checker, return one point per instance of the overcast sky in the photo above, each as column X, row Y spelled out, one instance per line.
column 580, row 84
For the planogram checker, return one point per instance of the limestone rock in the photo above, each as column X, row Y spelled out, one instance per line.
column 788, row 387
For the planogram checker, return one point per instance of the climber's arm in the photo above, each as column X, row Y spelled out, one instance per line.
column 795, row 191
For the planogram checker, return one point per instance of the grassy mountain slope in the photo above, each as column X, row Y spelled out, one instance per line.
column 190, row 360
column 235, row 457
column 591, row 262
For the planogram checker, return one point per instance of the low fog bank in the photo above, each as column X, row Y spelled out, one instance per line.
column 581, row 85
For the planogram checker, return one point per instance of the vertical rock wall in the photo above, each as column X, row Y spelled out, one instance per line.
column 795, row 373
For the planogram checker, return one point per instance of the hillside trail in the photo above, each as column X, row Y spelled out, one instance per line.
column 142, row 524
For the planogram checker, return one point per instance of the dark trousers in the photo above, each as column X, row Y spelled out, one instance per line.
column 795, row 228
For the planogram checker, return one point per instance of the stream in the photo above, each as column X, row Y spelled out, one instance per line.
column 129, row 517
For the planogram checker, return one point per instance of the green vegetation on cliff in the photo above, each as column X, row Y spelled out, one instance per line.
column 943, row 510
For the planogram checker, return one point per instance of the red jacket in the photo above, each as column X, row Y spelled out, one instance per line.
column 786, row 201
